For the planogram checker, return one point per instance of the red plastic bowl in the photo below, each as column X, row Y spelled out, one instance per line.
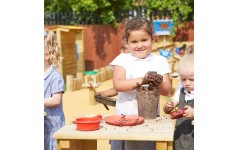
column 177, row 113
column 87, row 124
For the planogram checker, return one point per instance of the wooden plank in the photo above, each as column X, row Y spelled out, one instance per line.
column 89, row 144
column 98, row 77
column 76, row 144
column 58, row 145
column 68, row 53
column 69, row 83
column 79, row 37
column 109, row 72
column 58, row 35
column 170, row 145
column 64, row 143
column 80, row 83
column 75, row 84
column 64, row 28
column 102, row 75
column 161, row 145
column 92, row 100
column 80, row 41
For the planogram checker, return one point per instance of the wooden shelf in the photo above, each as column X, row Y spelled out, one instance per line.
column 160, row 45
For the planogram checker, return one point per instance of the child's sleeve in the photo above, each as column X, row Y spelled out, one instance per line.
column 120, row 60
column 57, row 84
column 164, row 67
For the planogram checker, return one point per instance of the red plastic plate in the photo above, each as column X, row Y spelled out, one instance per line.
column 177, row 113
column 121, row 120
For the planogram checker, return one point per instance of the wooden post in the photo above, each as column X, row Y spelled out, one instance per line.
column 80, row 82
column 109, row 72
column 75, row 88
column 76, row 144
column 102, row 69
column 98, row 77
column 69, row 82
column 102, row 75
column 97, row 70
column 85, row 79
column 80, row 43
column 170, row 145
column 92, row 100
column 80, row 75
column 161, row 146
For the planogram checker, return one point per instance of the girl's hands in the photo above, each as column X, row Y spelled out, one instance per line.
column 189, row 112
column 152, row 77
column 157, row 79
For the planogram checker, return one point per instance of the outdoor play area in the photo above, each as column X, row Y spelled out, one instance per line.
column 79, row 100
column 87, row 50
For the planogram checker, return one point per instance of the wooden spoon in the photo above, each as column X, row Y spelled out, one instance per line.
column 96, row 92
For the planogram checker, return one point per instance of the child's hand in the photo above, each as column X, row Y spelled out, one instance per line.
column 168, row 107
column 157, row 79
column 148, row 78
column 100, row 94
column 152, row 77
column 189, row 112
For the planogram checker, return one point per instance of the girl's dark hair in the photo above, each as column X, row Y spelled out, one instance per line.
column 135, row 24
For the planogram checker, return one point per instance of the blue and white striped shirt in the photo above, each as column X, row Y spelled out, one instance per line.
column 53, row 83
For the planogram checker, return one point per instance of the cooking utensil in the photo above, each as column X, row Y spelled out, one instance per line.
column 96, row 92
column 88, row 123
column 147, row 100
column 177, row 113
column 124, row 120
column 105, row 100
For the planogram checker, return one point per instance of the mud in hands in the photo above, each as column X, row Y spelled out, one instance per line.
column 152, row 78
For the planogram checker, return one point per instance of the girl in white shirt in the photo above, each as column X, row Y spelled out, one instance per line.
column 132, row 70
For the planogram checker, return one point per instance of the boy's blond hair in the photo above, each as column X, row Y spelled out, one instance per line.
column 186, row 62
column 51, row 46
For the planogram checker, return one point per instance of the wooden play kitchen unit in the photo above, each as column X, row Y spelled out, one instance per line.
column 160, row 130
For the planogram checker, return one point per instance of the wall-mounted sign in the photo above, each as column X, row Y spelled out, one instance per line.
column 163, row 27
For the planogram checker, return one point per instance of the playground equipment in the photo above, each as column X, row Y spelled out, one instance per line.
column 71, row 44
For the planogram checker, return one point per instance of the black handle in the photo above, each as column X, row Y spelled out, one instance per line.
column 106, row 106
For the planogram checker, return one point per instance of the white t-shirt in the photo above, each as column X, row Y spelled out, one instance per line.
column 135, row 67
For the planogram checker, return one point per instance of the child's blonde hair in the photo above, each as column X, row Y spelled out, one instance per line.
column 51, row 46
column 186, row 62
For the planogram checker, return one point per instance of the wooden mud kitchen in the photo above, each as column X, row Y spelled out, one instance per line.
column 160, row 130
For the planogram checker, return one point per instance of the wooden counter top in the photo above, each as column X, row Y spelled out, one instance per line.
column 159, row 129
column 76, row 104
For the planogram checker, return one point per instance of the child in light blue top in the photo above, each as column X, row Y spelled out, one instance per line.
column 53, row 90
